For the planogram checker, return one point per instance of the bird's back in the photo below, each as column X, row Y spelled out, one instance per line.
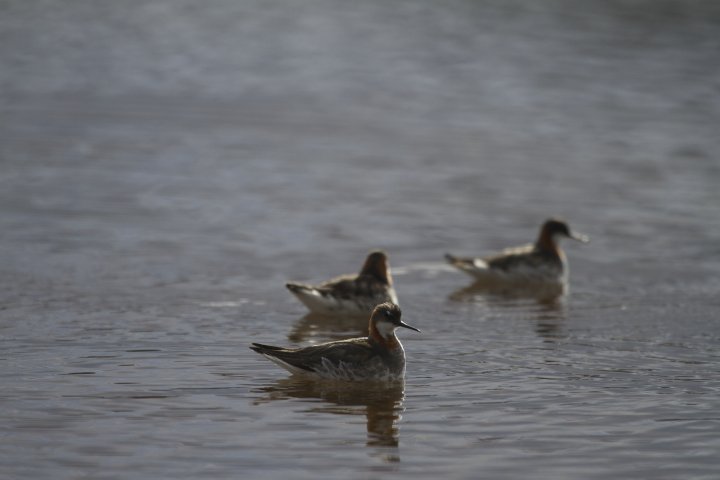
column 526, row 262
column 345, row 359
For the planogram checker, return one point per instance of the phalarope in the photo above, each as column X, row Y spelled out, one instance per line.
column 354, row 294
column 541, row 262
column 379, row 356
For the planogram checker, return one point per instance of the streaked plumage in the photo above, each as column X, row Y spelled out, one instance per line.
column 379, row 356
column 356, row 294
column 541, row 262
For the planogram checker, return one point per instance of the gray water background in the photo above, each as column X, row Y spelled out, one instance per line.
column 165, row 166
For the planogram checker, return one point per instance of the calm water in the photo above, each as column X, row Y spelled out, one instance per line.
column 166, row 166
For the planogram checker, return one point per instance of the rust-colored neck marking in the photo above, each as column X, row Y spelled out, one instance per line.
column 546, row 242
column 388, row 342
column 376, row 266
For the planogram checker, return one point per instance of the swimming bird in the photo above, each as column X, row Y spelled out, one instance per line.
column 379, row 356
column 356, row 294
column 543, row 262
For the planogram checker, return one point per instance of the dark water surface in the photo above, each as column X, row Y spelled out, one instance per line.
column 166, row 166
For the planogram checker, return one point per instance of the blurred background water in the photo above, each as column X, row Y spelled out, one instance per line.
column 165, row 166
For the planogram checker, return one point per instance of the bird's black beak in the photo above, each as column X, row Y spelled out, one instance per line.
column 403, row 324
column 579, row 237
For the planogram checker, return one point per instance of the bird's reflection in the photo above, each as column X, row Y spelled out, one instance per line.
column 337, row 327
column 380, row 402
column 549, row 324
column 545, row 303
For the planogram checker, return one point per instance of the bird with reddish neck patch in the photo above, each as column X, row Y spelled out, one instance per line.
column 379, row 356
column 354, row 294
column 543, row 262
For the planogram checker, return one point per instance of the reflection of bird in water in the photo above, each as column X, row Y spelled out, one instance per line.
column 546, row 303
column 378, row 356
column 335, row 327
column 350, row 294
column 550, row 295
column 543, row 262
column 549, row 327
column 380, row 402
